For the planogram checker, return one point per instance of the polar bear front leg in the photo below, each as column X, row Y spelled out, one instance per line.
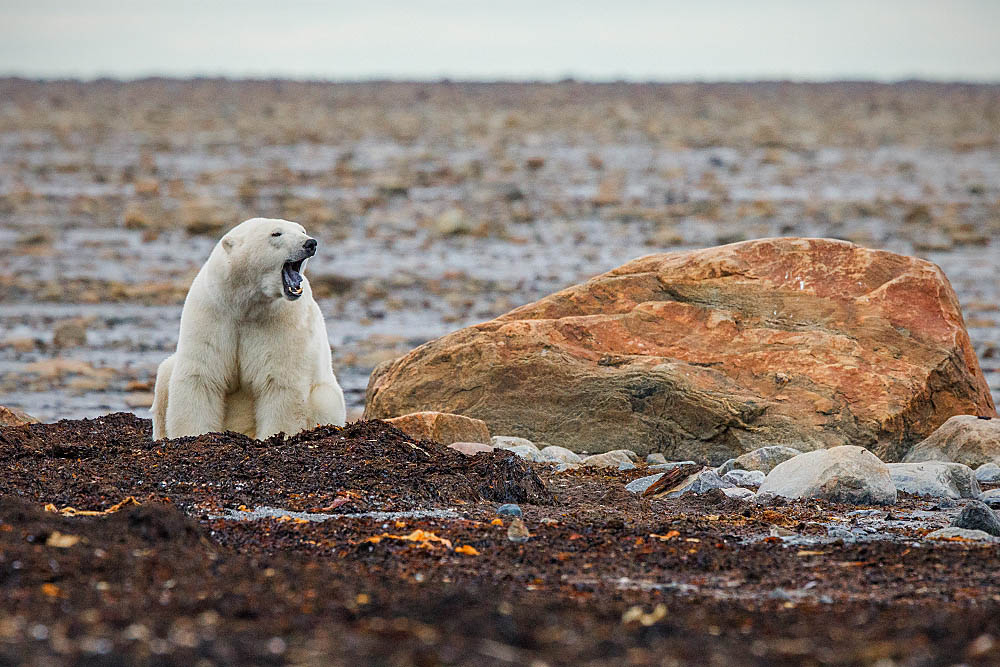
column 195, row 405
column 280, row 409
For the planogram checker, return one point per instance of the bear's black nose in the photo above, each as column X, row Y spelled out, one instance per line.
column 310, row 245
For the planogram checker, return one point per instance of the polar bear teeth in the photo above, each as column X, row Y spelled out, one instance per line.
column 291, row 279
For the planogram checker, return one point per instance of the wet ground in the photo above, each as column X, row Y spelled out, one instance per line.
column 220, row 550
column 441, row 205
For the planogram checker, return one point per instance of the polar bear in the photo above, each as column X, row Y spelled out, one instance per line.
column 252, row 355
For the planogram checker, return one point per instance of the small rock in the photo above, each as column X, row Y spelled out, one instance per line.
column 69, row 333
column 626, row 465
column 763, row 459
column 962, row 439
column 936, row 479
column 471, row 448
column 559, row 454
column 749, row 478
column 442, row 427
column 518, row 532
column 611, row 459
column 992, row 498
column 527, row 452
column 738, row 493
column 509, row 509
column 952, row 533
column 508, row 441
column 978, row 516
column 847, row 474
column 563, row 467
column 988, row 473
column 639, row 486
column 656, row 457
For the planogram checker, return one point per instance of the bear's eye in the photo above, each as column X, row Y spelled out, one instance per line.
column 275, row 233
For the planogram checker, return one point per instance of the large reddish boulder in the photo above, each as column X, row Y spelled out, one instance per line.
column 711, row 353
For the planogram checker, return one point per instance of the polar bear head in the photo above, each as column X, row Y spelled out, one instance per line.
column 268, row 256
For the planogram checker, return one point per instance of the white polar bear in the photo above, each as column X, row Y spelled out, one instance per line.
column 252, row 355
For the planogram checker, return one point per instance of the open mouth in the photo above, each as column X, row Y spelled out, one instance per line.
column 291, row 279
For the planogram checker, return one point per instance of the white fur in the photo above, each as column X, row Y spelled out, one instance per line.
column 248, row 359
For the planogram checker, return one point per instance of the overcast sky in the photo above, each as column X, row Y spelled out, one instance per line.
column 510, row 39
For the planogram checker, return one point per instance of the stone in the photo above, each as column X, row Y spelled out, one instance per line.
column 559, row 454
column 671, row 465
column 959, row 535
column 471, row 448
column 991, row 498
column 988, row 473
column 15, row 417
column 639, row 486
column 508, row 441
column 69, row 333
column 527, row 452
column 656, row 457
column 442, row 427
column 750, row 478
column 962, row 439
column 699, row 482
column 610, row 459
column 509, row 509
column 708, row 354
column 845, row 474
column 626, row 465
column 738, row 493
column 763, row 459
column 936, row 479
column 978, row 516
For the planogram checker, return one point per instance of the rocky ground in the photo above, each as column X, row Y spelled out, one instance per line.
column 441, row 205
column 361, row 545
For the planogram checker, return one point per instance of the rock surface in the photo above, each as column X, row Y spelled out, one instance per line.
column 711, row 353
column 471, row 448
column 559, row 455
column 750, row 478
column 962, row 439
column 846, row 474
column 699, row 482
column 15, row 417
column 978, row 516
column 763, row 459
column 639, row 486
column 612, row 459
column 960, row 535
column 937, row 479
column 442, row 427
column 988, row 473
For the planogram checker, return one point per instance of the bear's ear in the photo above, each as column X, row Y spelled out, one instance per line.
column 227, row 243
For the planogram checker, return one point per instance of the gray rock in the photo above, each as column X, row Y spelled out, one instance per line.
column 671, row 465
column 936, row 479
column 528, row 452
column 639, row 486
column 510, row 509
column 846, row 474
column 610, row 459
column 563, row 467
column 738, row 493
column 559, row 454
column 763, row 459
column 626, row 465
column 749, row 478
column 992, row 498
column 978, row 516
column 700, row 482
column 988, row 473
column 951, row 532
column 510, row 441
column 962, row 439
column 656, row 457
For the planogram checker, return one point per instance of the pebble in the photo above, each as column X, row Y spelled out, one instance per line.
column 739, row 493
column 559, row 454
column 750, row 478
column 656, row 457
column 510, row 509
column 639, row 486
column 978, row 516
column 964, row 533
column 626, row 465
column 988, row 473
column 518, row 532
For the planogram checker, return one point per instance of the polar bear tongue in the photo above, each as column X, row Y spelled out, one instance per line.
column 291, row 279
